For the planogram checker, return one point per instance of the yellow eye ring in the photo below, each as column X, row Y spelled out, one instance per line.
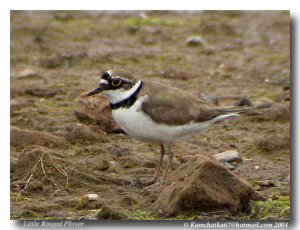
column 116, row 82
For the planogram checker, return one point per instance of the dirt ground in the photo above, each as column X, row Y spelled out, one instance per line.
column 56, row 159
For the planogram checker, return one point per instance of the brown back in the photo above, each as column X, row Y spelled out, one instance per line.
column 174, row 106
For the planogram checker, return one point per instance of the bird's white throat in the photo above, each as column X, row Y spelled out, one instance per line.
column 117, row 95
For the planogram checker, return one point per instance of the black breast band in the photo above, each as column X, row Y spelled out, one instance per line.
column 128, row 101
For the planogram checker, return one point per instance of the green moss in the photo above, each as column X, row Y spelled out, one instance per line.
column 17, row 197
column 32, row 216
column 143, row 215
column 254, row 182
column 277, row 158
column 269, row 95
column 275, row 207
column 152, row 21
column 80, row 203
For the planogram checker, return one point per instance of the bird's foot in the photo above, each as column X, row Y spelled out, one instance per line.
column 162, row 182
column 148, row 182
column 158, row 184
column 155, row 187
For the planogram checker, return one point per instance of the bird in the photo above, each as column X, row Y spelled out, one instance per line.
column 157, row 113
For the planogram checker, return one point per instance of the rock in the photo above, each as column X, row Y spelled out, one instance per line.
column 24, row 138
column 270, row 183
column 91, row 196
column 200, row 41
column 195, row 40
column 274, row 142
column 244, row 101
column 204, row 186
column 95, row 110
column 228, row 156
column 90, row 201
column 26, row 161
column 109, row 213
column 83, row 134
column 98, row 162
column 27, row 73
column 39, row 165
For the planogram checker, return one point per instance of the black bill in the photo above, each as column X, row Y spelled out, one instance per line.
column 95, row 91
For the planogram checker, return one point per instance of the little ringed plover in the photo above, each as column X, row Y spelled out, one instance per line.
column 155, row 113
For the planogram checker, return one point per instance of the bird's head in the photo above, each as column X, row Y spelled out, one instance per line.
column 117, row 85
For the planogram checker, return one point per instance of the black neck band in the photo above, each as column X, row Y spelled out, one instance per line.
column 128, row 101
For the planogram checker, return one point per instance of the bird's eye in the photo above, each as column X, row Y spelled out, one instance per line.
column 116, row 82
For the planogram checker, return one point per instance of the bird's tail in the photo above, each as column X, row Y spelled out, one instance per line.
column 234, row 109
column 231, row 112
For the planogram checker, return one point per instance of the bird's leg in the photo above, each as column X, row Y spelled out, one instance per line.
column 154, row 179
column 171, row 154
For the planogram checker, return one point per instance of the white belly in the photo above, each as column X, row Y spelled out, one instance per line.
column 138, row 125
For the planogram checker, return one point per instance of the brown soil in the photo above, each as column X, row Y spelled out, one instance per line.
column 60, row 153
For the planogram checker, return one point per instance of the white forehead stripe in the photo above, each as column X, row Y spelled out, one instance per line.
column 109, row 72
column 103, row 81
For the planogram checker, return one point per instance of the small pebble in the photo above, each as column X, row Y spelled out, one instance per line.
column 244, row 101
column 26, row 73
column 195, row 40
column 270, row 183
column 91, row 196
column 228, row 156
